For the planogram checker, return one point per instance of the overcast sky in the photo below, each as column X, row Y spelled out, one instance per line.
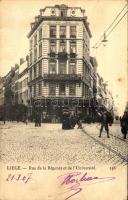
column 15, row 19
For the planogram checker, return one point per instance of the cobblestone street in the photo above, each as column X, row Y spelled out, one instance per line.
column 50, row 144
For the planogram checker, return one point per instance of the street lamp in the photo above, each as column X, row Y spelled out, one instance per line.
column 104, row 40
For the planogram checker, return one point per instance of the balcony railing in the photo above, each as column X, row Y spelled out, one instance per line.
column 52, row 54
column 62, row 36
column 72, row 36
column 61, row 77
column 62, row 55
column 72, row 55
column 52, row 36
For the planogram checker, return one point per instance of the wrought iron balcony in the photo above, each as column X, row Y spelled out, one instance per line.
column 62, row 36
column 62, row 77
column 52, row 54
column 72, row 36
column 62, row 55
column 52, row 35
column 72, row 55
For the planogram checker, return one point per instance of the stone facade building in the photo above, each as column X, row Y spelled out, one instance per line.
column 61, row 71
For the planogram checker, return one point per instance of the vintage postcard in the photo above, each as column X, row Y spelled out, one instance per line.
column 63, row 99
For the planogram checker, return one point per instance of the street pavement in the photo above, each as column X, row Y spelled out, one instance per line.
column 49, row 144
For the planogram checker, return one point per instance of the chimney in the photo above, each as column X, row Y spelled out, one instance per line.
column 36, row 19
column 21, row 61
column 16, row 66
column 32, row 25
column 27, row 57
column 41, row 11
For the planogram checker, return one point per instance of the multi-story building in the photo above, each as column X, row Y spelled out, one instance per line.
column 9, row 94
column 2, row 79
column 99, row 96
column 126, row 108
column 59, row 53
column 23, row 82
column 104, row 96
column 14, row 84
column 110, row 101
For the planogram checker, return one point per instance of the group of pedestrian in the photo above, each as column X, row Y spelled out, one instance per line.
column 70, row 119
column 107, row 120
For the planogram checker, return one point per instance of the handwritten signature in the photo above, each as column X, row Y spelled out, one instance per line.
column 72, row 182
column 19, row 178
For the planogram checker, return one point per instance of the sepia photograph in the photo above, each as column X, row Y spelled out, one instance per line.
column 63, row 99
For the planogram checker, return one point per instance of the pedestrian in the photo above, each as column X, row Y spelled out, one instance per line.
column 72, row 120
column 36, row 118
column 65, row 119
column 124, row 124
column 105, row 120
column 39, row 118
column 78, row 120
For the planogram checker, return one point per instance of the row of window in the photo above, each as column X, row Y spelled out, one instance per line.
column 53, row 33
column 35, row 53
column 36, row 71
column 53, row 48
column 22, row 97
column 62, row 46
column 52, row 89
column 62, row 89
column 62, row 32
column 22, row 84
column 62, row 67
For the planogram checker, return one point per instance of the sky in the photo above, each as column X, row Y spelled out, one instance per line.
column 15, row 19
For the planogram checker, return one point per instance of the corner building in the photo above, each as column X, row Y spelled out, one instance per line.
column 60, row 71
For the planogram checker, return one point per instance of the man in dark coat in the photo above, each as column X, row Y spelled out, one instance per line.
column 105, row 120
column 124, row 124
column 37, row 117
column 66, row 119
column 78, row 120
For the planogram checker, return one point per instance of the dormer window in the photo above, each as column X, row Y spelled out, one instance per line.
column 63, row 12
